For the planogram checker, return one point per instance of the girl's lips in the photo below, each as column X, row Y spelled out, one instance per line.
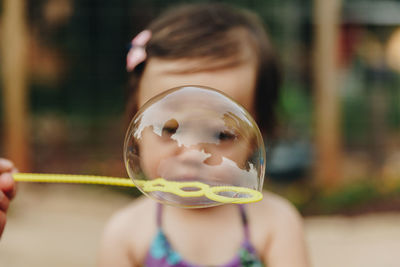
column 188, row 178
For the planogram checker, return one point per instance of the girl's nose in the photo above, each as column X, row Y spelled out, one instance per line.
column 186, row 139
column 193, row 154
column 199, row 154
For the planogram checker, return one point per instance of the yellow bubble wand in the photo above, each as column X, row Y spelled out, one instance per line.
column 159, row 184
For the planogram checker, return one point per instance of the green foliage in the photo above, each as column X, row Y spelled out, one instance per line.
column 354, row 119
column 393, row 115
column 349, row 196
column 295, row 108
column 370, row 194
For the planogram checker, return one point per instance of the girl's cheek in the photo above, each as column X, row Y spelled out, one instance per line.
column 154, row 151
column 148, row 156
column 236, row 152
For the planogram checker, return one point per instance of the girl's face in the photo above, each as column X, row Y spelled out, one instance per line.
column 162, row 156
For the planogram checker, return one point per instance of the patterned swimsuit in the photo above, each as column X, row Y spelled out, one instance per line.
column 161, row 253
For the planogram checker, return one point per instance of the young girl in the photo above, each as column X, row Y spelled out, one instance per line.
column 221, row 47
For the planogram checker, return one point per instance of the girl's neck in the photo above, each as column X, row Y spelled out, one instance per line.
column 198, row 213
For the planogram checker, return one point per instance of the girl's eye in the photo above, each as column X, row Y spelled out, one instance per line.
column 169, row 130
column 170, row 127
column 226, row 136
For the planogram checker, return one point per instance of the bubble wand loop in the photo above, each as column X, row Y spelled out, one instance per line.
column 159, row 184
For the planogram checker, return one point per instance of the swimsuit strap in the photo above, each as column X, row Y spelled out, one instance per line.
column 159, row 215
column 245, row 223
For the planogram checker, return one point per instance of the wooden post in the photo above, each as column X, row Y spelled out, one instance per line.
column 327, row 114
column 14, row 77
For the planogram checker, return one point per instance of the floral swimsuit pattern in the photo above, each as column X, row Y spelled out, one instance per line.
column 162, row 254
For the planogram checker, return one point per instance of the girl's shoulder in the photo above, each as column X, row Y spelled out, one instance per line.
column 273, row 221
column 129, row 231
column 275, row 210
column 273, row 205
column 137, row 219
column 137, row 214
column 277, row 228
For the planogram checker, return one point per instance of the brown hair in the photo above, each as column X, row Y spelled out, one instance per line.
column 206, row 32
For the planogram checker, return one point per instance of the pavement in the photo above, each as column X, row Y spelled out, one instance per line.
column 60, row 225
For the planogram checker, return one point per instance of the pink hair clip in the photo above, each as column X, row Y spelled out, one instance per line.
column 137, row 53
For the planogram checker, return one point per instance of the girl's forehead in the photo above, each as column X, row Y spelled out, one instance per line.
column 238, row 81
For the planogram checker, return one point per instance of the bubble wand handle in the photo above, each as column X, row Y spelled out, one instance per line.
column 69, row 178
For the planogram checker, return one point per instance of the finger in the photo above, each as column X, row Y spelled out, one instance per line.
column 11, row 194
column 8, row 185
column 4, row 202
column 5, row 165
column 2, row 222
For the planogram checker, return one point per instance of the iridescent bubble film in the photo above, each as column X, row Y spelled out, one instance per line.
column 195, row 147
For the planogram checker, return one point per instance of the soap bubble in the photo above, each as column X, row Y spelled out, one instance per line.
column 195, row 147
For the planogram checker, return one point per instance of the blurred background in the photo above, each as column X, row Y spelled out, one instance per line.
column 337, row 155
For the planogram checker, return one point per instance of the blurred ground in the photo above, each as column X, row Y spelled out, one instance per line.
column 60, row 225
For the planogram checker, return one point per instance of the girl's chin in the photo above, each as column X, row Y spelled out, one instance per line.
column 183, row 202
